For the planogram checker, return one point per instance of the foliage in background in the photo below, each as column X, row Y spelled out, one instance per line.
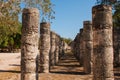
column 116, row 14
column 116, row 10
column 45, row 7
column 9, row 24
column 10, row 27
column 67, row 40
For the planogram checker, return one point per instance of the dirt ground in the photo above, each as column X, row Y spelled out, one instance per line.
column 67, row 69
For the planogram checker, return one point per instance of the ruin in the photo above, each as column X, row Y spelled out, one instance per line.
column 44, row 47
column 53, row 47
column 102, row 42
column 116, row 46
column 29, row 43
column 81, row 47
column 88, row 46
column 93, row 45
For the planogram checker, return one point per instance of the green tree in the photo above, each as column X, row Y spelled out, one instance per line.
column 45, row 7
column 67, row 40
column 9, row 23
column 116, row 14
column 10, row 27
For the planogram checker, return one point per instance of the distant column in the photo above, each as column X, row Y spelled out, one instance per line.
column 29, row 43
column 44, row 47
column 52, row 50
column 81, row 47
column 116, row 45
column 57, row 50
column 102, row 42
column 88, row 53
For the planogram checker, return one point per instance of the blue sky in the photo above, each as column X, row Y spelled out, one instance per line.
column 69, row 16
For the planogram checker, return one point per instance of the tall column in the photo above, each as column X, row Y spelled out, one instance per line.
column 102, row 42
column 116, row 45
column 61, row 48
column 52, row 50
column 44, row 47
column 57, row 50
column 88, row 53
column 78, row 46
column 81, row 47
column 29, row 43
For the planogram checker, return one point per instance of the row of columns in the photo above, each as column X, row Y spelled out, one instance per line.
column 51, row 46
column 83, row 46
column 93, row 46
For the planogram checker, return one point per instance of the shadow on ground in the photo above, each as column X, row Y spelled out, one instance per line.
column 68, row 65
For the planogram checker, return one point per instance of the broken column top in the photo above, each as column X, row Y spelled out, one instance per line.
column 102, row 8
column 30, row 10
column 81, row 30
column 52, row 32
column 87, row 22
column 87, row 25
column 45, row 24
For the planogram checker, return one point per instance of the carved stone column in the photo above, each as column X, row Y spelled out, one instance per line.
column 81, row 47
column 44, row 47
column 102, row 42
column 88, row 53
column 29, row 43
column 57, row 49
column 52, row 50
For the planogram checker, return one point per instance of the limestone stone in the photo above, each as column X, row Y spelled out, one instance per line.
column 102, row 42
column 88, row 45
column 44, row 47
column 53, row 47
column 29, row 43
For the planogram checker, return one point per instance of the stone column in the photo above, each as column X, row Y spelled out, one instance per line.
column 116, row 45
column 102, row 42
column 44, row 47
column 78, row 46
column 61, row 48
column 29, row 43
column 81, row 47
column 57, row 50
column 88, row 53
column 52, row 50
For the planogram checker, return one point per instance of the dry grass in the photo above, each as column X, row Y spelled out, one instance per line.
column 10, row 74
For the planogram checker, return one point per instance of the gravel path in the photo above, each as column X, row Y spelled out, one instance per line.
column 67, row 69
column 9, row 60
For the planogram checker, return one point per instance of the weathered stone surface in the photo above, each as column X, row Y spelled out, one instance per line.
column 116, row 45
column 102, row 43
column 29, row 43
column 88, row 46
column 81, row 47
column 52, row 49
column 77, row 46
column 61, row 48
column 57, row 49
column 44, row 47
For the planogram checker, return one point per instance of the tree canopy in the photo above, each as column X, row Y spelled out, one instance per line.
column 45, row 7
column 67, row 40
column 10, row 27
column 116, row 14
